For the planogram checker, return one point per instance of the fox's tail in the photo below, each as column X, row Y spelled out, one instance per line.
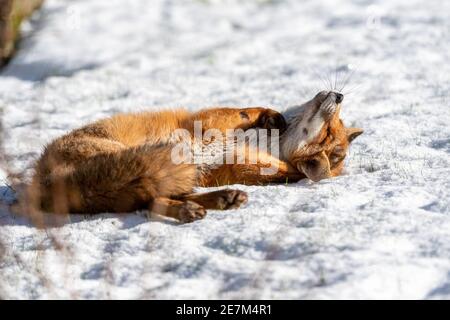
column 117, row 182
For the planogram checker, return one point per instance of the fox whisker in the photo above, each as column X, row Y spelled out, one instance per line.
column 347, row 79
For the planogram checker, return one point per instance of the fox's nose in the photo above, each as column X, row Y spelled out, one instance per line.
column 339, row 97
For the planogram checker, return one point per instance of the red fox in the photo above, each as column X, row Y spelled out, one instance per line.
column 125, row 163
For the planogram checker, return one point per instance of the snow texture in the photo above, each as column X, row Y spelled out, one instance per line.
column 382, row 230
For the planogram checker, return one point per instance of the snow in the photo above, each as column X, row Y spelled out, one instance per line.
column 382, row 230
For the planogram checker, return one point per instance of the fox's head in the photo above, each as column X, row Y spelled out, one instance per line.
column 316, row 140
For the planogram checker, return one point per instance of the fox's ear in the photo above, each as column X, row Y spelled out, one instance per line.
column 315, row 168
column 353, row 133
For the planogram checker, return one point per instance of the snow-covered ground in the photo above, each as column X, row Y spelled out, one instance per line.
column 382, row 230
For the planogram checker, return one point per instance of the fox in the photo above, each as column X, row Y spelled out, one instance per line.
column 124, row 163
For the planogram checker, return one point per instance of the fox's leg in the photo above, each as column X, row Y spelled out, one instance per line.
column 220, row 200
column 184, row 211
column 235, row 118
column 267, row 169
column 249, row 174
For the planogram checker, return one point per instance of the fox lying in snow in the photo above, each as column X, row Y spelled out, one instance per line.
column 125, row 163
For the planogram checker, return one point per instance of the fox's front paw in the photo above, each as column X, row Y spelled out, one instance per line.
column 271, row 119
column 328, row 108
column 190, row 212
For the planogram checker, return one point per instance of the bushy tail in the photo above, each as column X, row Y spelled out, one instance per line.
column 117, row 182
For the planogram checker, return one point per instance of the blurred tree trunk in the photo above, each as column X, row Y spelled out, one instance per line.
column 12, row 13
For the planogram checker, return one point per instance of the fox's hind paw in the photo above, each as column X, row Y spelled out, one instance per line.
column 231, row 199
column 190, row 212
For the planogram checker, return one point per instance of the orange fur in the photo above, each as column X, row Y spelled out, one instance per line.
column 123, row 163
